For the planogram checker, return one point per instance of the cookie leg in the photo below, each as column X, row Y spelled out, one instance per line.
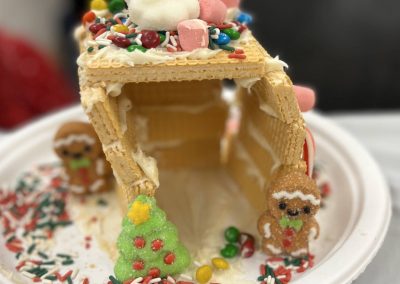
column 299, row 252
column 271, row 248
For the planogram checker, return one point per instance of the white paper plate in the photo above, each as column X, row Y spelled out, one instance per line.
column 353, row 226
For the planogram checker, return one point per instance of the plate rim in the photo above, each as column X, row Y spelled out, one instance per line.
column 316, row 120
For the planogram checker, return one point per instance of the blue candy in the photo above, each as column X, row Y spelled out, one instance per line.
column 244, row 18
column 223, row 39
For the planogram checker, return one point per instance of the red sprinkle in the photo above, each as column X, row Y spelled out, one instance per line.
column 85, row 281
column 100, row 32
column 66, row 275
column 223, row 27
column 237, row 56
column 239, row 51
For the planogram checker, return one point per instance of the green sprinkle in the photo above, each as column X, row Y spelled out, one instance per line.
column 31, row 248
column 114, row 280
column 131, row 35
column 101, row 46
column 18, row 255
column 90, row 49
column 67, row 262
column 227, row 47
column 10, row 239
column 63, row 255
column 43, row 255
column 52, row 262
column 51, row 277
column 69, row 280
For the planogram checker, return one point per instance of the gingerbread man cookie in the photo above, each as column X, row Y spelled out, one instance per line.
column 289, row 223
column 79, row 148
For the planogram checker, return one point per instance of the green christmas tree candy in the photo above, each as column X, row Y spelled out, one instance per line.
column 148, row 243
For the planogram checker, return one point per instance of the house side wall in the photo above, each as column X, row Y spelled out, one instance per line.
column 270, row 138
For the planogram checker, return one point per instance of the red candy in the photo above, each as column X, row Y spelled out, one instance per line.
column 247, row 245
column 157, row 245
column 139, row 242
column 169, row 258
column 95, row 28
column 154, row 272
column 138, row 265
column 122, row 42
column 150, row 39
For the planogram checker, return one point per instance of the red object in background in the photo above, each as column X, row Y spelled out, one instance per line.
column 30, row 85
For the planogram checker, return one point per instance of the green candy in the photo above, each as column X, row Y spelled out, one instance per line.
column 232, row 235
column 116, row 6
column 136, row 47
column 162, row 37
column 230, row 251
column 233, row 34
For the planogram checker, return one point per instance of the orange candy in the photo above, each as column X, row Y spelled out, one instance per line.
column 89, row 17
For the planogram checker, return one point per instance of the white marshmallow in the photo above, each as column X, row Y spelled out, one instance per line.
column 162, row 14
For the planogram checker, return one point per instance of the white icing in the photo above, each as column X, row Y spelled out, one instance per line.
column 118, row 55
column 114, row 89
column 267, row 230
column 251, row 169
column 74, row 138
column 260, row 139
column 274, row 249
column 112, row 146
column 299, row 252
column 124, row 106
column 275, row 64
column 247, row 83
column 89, row 101
column 268, row 110
column 297, row 194
column 313, row 234
column 162, row 14
column 100, row 167
column 96, row 185
column 148, row 165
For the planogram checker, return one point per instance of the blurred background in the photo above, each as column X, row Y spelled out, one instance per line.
column 347, row 50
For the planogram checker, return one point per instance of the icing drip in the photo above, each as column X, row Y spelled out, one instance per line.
column 297, row 194
column 124, row 106
column 247, row 83
column 148, row 165
column 89, row 101
column 251, row 169
column 114, row 89
column 79, row 138
column 275, row 64
column 260, row 139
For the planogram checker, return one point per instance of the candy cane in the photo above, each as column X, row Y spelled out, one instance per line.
column 309, row 152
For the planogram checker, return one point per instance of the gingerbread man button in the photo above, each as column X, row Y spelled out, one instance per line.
column 289, row 223
column 79, row 148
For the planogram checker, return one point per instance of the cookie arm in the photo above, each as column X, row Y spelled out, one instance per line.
column 264, row 226
column 314, row 230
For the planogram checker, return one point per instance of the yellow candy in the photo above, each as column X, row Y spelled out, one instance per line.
column 98, row 5
column 220, row 263
column 204, row 274
column 120, row 28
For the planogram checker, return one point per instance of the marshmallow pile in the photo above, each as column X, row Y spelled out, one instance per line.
column 189, row 17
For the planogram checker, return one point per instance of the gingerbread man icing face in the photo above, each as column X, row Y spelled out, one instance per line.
column 77, row 145
column 289, row 223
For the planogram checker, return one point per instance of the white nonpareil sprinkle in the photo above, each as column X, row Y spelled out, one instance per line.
column 138, row 39
column 173, row 41
column 166, row 41
column 29, row 275
column 198, row 264
column 155, row 280
column 214, row 36
column 137, row 280
column 171, row 280
column 50, row 272
column 75, row 273
column 171, row 46
column 120, row 34
column 270, row 280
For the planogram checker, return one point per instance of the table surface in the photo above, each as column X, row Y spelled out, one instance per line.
column 380, row 134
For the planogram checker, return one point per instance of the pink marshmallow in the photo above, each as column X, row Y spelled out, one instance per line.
column 231, row 3
column 213, row 11
column 193, row 34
